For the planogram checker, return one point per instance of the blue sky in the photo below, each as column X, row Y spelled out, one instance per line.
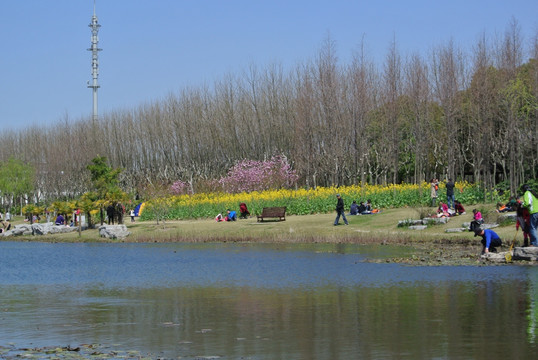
column 155, row 47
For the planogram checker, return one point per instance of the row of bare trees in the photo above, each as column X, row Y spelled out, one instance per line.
column 451, row 113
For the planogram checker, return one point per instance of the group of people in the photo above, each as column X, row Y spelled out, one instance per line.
column 527, row 220
column 511, row 205
column 452, row 207
column 114, row 214
column 231, row 215
column 527, row 214
column 526, row 210
column 450, row 197
column 443, row 210
column 364, row 208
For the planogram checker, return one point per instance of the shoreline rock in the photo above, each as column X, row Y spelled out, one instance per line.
column 39, row 229
column 118, row 232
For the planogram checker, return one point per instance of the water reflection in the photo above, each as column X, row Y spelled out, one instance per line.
column 262, row 302
column 532, row 308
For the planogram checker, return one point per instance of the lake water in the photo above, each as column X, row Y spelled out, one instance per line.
column 235, row 301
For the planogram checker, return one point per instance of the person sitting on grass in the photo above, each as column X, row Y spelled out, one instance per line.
column 458, row 207
column 477, row 220
column 442, row 211
column 363, row 210
column 232, row 215
column 5, row 226
column 370, row 208
column 502, row 208
column 490, row 240
column 354, row 208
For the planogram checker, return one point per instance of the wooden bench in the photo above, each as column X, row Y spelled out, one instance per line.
column 273, row 212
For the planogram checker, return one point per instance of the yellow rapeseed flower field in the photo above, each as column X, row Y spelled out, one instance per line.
column 309, row 201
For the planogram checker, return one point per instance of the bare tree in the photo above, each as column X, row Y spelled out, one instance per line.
column 418, row 93
column 448, row 71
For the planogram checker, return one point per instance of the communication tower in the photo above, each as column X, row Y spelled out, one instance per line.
column 94, row 26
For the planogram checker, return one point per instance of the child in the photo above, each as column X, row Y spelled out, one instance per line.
column 477, row 220
column 477, row 216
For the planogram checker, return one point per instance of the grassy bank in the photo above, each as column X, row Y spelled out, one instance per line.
column 431, row 246
column 363, row 229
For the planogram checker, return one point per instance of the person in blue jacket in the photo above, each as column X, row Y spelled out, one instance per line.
column 60, row 220
column 232, row 215
column 490, row 240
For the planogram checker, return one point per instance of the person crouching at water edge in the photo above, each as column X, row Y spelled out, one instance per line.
column 340, row 210
column 490, row 240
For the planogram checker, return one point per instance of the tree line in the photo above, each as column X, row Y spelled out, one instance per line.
column 451, row 113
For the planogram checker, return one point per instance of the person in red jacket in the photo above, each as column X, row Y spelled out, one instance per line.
column 523, row 222
column 243, row 211
column 458, row 207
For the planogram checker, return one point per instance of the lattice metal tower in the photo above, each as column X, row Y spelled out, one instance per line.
column 95, row 60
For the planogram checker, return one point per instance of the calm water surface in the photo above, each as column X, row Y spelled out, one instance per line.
column 262, row 302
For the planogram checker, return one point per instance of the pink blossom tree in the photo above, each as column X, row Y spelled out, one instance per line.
column 179, row 188
column 251, row 175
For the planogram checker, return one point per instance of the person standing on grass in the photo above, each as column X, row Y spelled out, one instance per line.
column 522, row 221
column 530, row 201
column 340, row 210
column 450, row 194
column 434, row 186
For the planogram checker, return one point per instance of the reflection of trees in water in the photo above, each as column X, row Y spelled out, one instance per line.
column 453, row 319
column 532, row 313
column 447, row 320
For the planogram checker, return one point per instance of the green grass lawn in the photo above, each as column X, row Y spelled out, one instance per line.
column 377, row 228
